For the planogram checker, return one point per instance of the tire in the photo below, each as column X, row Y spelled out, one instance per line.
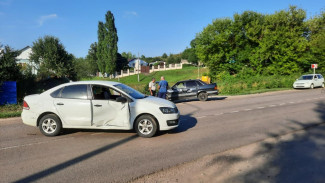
column 312, row 86
column 50, row 125
column 146, row 126
column 203, row 96
column 323, row 85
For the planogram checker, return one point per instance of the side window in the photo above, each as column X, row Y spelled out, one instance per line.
column 75, row 92
column 104, row 93
column 56, row 93
column 180, row 85
column 191, row 84
column 199, row 83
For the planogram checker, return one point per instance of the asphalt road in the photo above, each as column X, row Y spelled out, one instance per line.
column 220, row 124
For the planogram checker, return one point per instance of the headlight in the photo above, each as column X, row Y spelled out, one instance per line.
column 168, row 110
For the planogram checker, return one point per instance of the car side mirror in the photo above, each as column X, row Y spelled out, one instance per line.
column 121, row 99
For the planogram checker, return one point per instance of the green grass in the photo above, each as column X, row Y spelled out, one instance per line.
column 12, row 110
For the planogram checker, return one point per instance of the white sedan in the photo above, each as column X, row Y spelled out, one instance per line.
column 98, row 105
column 309, row 81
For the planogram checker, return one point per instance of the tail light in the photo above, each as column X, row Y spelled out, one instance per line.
column 215, row 88
column 25, row 105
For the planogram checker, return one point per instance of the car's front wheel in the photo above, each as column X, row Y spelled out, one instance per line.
column 203, row 96
column 323, row 85
column 50, row 125
column 146, row 126
column 312, row 86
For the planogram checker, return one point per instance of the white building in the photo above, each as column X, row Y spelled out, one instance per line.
column 24, row 60
column 135, row 63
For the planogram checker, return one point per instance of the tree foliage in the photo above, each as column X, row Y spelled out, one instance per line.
column 9, row 70
column 280, row 43
column 49, row 53
column 107, row 44
column 92, row 59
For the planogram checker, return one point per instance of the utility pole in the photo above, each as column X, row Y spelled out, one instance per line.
column 138, row 67
column 198, row 69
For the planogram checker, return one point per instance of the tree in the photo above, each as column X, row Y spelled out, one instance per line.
column 82, row 67
column 316, row 37
column 92, row 59
column 267, row 44
column 190, row 55
column 128, row 55
column 107, row 44
column 122, row 62
column 54, row 60
column 9, row 70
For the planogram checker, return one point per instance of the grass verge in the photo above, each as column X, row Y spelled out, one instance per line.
column 11, row 110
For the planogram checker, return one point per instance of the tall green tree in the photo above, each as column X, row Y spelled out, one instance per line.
column 268, row 44
column 107, row 44
column 9, row 70
column 54, row 60
column 316, row 37
column 92, row 59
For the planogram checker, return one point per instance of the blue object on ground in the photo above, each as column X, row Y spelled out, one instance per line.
column 8, row 92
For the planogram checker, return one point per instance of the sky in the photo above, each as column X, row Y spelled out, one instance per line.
column 144, row 27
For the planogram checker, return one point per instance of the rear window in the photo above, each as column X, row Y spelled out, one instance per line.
column 75, row 92
column 200, row 83
column 56, row 93
column 191, row 84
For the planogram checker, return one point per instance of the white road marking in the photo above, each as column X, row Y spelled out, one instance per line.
column 291, row 102
column 272, row 105
column 234, row 111
column 282, row 104
column 260, row 107
column 248, row 109
column 30, row 144
column 219, row 114
column 200, row 117
column 97, row 133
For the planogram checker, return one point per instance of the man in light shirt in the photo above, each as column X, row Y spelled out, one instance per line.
column 152, row 87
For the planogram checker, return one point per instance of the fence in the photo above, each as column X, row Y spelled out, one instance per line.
column 129, row 72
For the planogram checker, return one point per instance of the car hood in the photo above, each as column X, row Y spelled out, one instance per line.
column 157, row 101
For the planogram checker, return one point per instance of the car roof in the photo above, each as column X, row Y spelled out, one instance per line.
column 190, row 80
column 311, row 74
column 107, row 83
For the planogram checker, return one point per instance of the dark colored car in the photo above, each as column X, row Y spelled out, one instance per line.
column 191, row 89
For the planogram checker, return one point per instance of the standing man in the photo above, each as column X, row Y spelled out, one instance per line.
column 152, row 87
column 163, row 86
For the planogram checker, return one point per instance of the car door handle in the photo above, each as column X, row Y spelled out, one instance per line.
column 97, row 105
column 60, row 103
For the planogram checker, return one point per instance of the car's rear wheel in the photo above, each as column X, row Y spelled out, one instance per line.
column 50, row 125
column 203, row 96
column 312, row 86
column 146, row 126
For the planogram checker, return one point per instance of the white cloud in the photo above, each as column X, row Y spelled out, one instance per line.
column 131, row 13
column 45, row 18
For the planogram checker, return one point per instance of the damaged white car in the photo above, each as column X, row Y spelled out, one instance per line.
column 98, row 105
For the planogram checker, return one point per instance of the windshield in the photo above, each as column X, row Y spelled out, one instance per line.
column 305, row 78
column 132, row 92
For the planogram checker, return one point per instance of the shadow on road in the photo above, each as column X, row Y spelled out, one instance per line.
column 191, row 100
column 296, row 157
column 59, row 167
column 186, row 122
